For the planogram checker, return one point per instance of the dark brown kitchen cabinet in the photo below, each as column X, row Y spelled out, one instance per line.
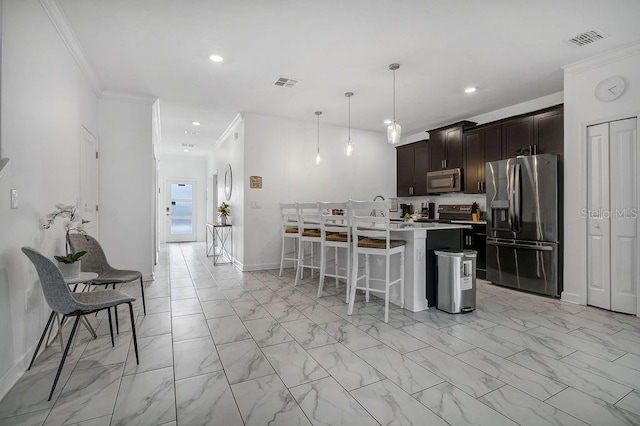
column 446, row 146
column 412, row 165
column 518, row 136
column 540, row 132
column 480, row 146
column 548, row 131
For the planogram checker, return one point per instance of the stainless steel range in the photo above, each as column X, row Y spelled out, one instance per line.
column 449, row 212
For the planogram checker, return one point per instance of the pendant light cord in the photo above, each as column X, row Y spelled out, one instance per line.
column 349, row 118
column 394, row 96
column 318, row 143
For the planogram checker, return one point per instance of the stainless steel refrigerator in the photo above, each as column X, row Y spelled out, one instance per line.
column 523, row 217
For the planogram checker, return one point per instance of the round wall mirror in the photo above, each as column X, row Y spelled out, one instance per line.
column 227, row 182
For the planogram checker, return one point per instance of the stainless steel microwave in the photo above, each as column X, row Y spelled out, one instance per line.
column 442, row 181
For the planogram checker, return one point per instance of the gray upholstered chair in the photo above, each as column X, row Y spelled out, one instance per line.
column 62, row 301
column 96, row 261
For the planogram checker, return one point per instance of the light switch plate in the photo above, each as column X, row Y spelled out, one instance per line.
column 14, row 198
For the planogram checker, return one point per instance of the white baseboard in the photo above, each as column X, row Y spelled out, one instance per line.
column 260, row 266
column 571, row 298
column 12, row 376
column 148, row 277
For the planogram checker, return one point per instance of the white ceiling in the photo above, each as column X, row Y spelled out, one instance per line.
column 512, row 50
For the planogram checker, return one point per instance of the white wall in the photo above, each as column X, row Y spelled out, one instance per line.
column 45, row 102
column 126, row 182
column 230, row 149
column 581, row 109
column 188, row 168
column 283, row 152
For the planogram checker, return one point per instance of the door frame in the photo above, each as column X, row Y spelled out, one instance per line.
column 87, row 137
column 584, row 126
column 194, row 198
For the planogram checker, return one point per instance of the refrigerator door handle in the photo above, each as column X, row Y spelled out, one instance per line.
column 517, row 195
column 521, row 246
column 512, row 207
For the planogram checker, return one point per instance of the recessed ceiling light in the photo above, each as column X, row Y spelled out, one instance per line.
column 185, row 150
column 195, row 123
column 469, row 90
column 387, row 122
column 216, row 58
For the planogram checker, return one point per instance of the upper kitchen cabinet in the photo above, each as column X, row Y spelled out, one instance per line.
column 480, row 146
column 446, row 147
column 548, row 131
column 412, row 166
column 518, row 136
column 540, row 132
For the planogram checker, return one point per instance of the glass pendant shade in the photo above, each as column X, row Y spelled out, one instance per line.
column 394, row 132
column 318, row 159
column 348, row 148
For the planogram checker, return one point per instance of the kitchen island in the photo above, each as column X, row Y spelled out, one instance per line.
column 415, row 265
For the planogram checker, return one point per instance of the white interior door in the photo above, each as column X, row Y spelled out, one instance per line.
column 624, row 221
column 612, row 200
column 88, row 205
column 598, row 237
column 181, row 210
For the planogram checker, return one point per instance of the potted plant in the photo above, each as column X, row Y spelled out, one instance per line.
column 69, row 264
column 224, row 210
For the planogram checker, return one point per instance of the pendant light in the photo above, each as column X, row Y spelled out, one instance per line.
column 394, row 131
column 348, row 148
column 318, row 159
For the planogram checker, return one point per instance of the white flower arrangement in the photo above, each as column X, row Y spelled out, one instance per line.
column 73, row 223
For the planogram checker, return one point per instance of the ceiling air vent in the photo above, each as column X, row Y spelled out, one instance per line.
column 285, row 82
column 188, row 145
column 586, row 37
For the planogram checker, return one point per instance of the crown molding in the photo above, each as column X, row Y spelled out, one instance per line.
column 613, row 55
column 61, row 24
column 230, row 128
column 112, row 95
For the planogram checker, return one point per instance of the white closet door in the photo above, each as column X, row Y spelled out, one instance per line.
column 598, row 230
column 624, row 222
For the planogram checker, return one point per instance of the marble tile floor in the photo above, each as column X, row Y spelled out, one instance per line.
column 222, row 347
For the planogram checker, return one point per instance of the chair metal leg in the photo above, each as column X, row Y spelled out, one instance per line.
column 49, row 324
column 354, row 283
column 133, row 328
column 144, row 306
column 367, row 274
column 115, row 312
column 299, row 269
column 64, row 355
column 110, row 327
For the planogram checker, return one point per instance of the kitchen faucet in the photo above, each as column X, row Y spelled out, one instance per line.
column 373, row 212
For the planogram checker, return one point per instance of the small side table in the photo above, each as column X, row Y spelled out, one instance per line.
column 221, row 244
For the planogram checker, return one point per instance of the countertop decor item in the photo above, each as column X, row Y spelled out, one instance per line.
column 224, row 210
column 394, row 131
column 69, row 264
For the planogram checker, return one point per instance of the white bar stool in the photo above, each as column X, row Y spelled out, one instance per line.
column 308, row 232
column 371, row 236
column 289, row 224
column 336, row 234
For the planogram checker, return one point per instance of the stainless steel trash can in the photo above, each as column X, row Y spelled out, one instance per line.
column 456, row 281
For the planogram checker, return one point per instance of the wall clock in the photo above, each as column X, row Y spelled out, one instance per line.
column 228, row 181
column 610, row 89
